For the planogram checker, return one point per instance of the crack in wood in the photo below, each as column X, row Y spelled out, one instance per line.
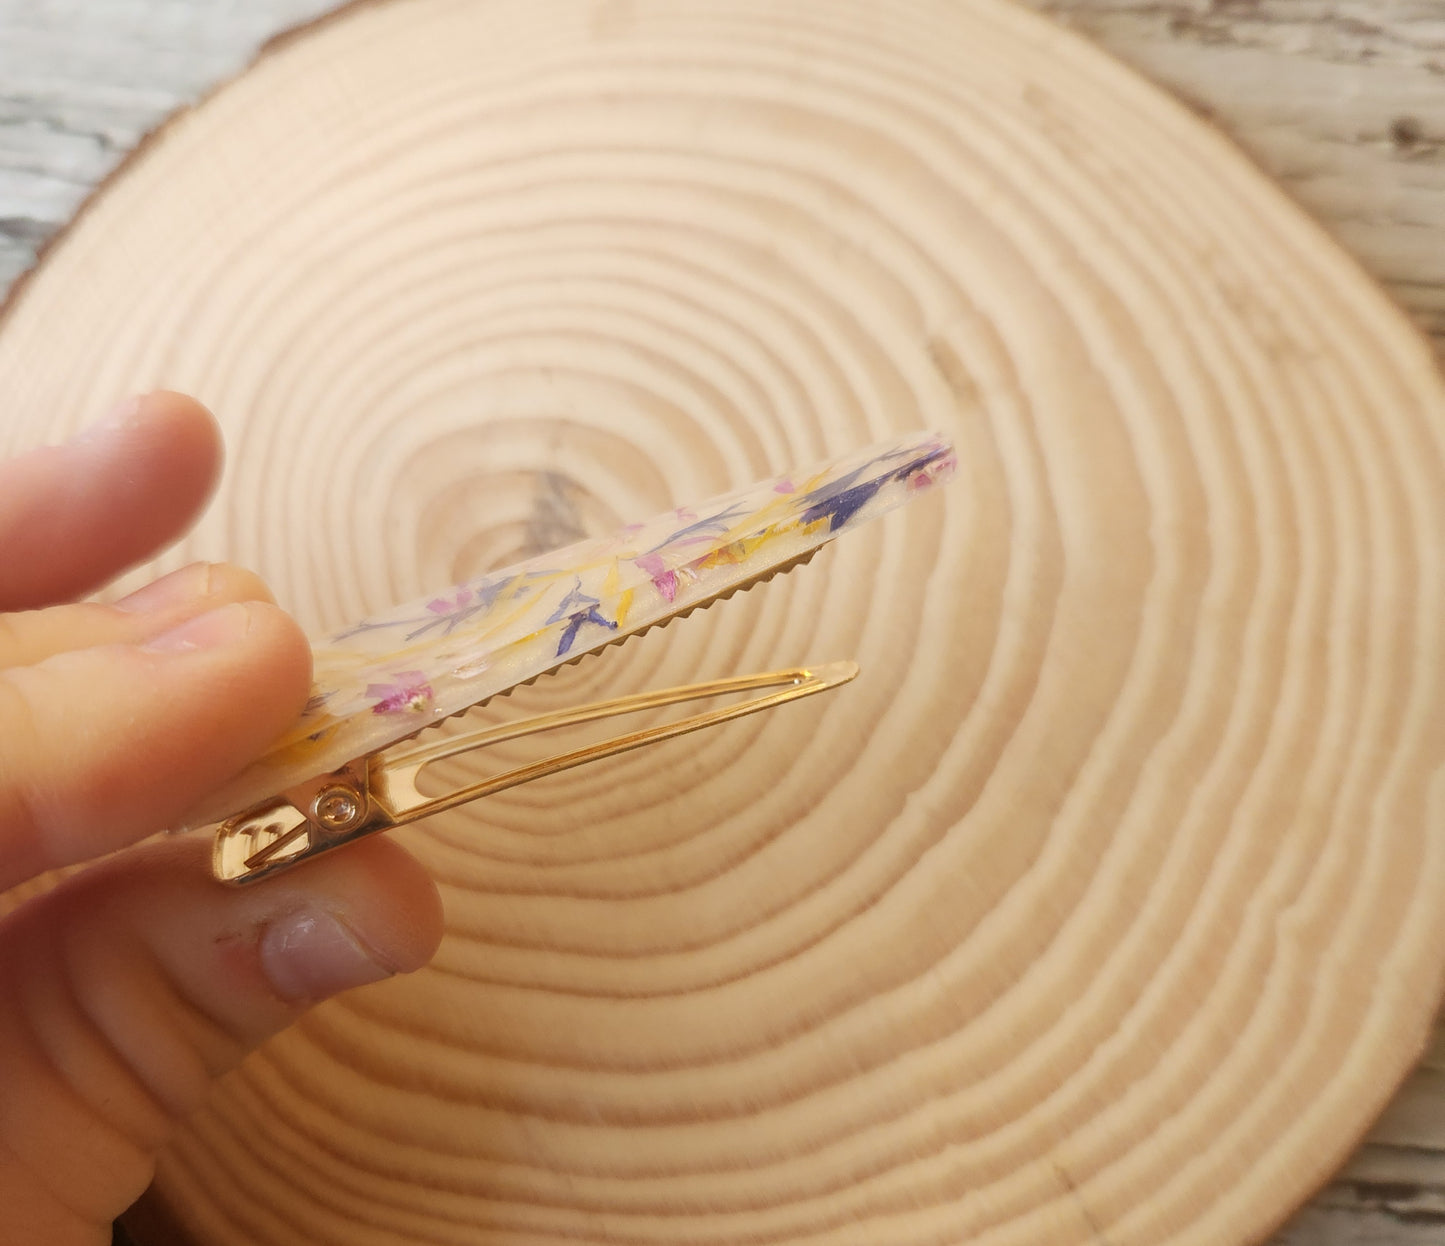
column 26, row 230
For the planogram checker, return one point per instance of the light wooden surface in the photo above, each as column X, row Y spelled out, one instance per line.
column 1337, row 104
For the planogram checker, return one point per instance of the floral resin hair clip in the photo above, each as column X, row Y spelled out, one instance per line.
column 344, row 771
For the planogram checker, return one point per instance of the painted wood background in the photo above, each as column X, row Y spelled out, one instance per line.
column 1341, row 100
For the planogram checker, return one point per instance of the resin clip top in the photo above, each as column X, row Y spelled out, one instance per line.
column 346, row 769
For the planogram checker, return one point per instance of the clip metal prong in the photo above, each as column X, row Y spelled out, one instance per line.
column 380, row 793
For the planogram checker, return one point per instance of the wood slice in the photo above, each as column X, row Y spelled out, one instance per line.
column 1104, row 907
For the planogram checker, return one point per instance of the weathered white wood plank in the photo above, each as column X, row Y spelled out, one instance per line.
column 81, row 81
column 1343, row 101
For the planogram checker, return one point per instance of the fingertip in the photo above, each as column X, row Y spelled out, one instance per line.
column 121, row 740
column 258, row 955
column 368, row 913
column 258, row 638
column 282, row 635
column 172, row 438
column 285, row 658
column 261, row 653
column 393, row 904
column 191, row 433
column 76, row 516
column 162, row 415
column 241, row 676
column 231, row 583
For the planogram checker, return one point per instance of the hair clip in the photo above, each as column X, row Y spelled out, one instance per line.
column 349, row 767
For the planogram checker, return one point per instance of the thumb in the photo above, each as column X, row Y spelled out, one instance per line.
column 104, row 745
column 128, row 989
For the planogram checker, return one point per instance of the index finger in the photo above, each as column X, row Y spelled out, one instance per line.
column 73, row 517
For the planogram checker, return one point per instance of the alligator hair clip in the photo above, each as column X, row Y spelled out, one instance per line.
column 350, row 765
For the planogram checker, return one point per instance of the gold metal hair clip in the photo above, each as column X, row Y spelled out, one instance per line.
column 349, row 769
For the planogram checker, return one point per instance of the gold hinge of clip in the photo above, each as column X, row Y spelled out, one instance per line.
column 379, row 793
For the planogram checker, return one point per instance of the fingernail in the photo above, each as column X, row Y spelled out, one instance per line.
column 209, row 631
column 120, row 416
column 191, row 583
column 312, row 956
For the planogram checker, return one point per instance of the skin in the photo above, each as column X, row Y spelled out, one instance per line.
column 128, row 989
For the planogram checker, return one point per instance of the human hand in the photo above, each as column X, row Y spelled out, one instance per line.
column 129, row 988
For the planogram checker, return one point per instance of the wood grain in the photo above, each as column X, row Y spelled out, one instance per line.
column 1123, row 928
column 1339, row 100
